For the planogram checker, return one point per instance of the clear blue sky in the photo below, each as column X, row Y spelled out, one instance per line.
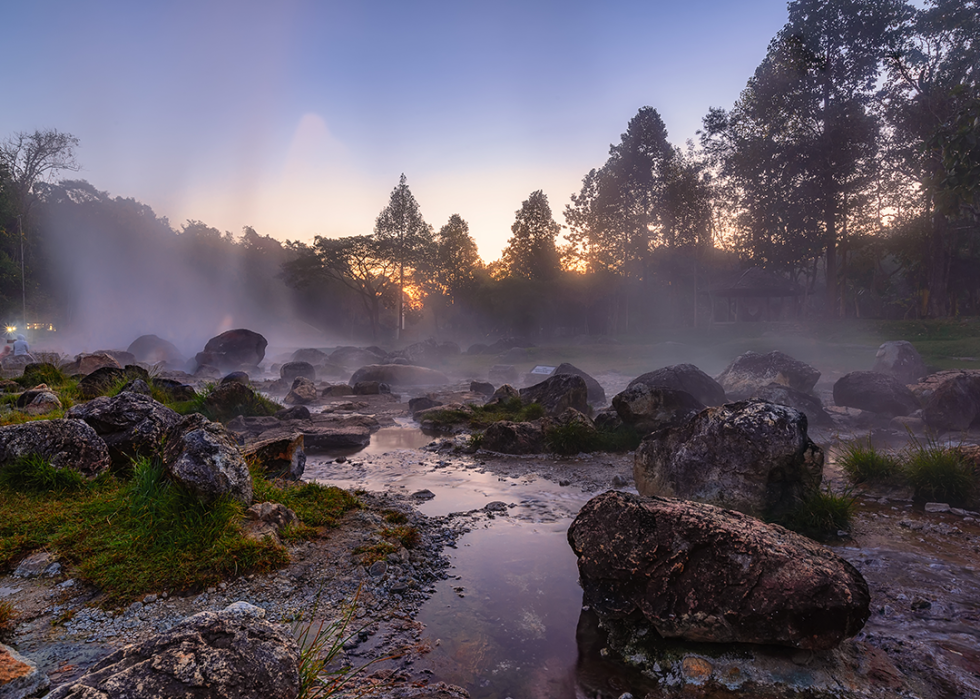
column 297, row 117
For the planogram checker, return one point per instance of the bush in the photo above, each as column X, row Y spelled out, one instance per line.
column 938, row 473
column 864, row 463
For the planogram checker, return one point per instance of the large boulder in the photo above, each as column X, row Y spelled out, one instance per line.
column 900, row 360
column 131, row 424
column 282, row 457
column 558, row 393
column 231, row 654
column 597, row 395
column 64, row 443
column 804, row 402
column 87, row 363
column 687, row 378
column 508, row 437
column 292, row 370
column 702, row 573
column 399, row 375
column 428, row 353
column 952, row 403
column 233, row 349
column 752, row 371
column 310, row 355
column 232, row 398
column 751, row 456
column 204, row 458
column 151, row 349
column 651, row 408
column 301, row 392
column 351, row 357
column 106, row 378
column 874, row 392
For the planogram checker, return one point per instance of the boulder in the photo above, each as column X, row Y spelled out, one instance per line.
column 266, row 520
column 131, row 424
column 558, row 393
column 508, row 437
column 87, row 363
column 25, row 398
column 417, row 405
column 105, row 378
column 282, row 457
column 43, row 403
column 687, row 378
column 310, row 356
column 503, row 373
column 350, row 357
column 233, row 398
column 151, row 349
column 120, row 356
column 370, row 388
column 231, row 654
column 900, row 360
column 953, row 404
column 804, row 402
column 702, row 573
column 20, row 677
column 650, row 408
column 302, row 392
column 137, row 386
column 236, row 377
column 297, row 412
column 504, row 394
column 176, row 391
column 597, row 395
column 481, row 387
column 752, row 456
column 204, row 457
column 233, row 349
column 428, row 353
column 65, row 443
column 399, row 375
column 752, row 371
column 337, row 391
column 875, row 392
column 292, row 370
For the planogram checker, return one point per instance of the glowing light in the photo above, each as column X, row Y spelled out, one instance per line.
column 11, row 328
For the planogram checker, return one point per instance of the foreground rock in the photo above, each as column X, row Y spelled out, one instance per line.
column 283, row 457
column 320, row 431
column 751, row 371
column 234, row 349
column 700, row 573
column 105, row 378
column 19, row 677
column 687, row 378
column 399, row 375
column 558, row 393
column 950, row 399
column 232, row 654
column 651, row 408
column 876, row 393
column 899, row 359
column 751, row 456
column 65, row 443
column 131, row 424
column 506, row 437
column 204, row 458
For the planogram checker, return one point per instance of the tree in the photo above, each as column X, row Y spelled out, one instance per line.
column 457, row 258
column 364, row 264
column 402, row 233
column 530, row 251
column 31, row 158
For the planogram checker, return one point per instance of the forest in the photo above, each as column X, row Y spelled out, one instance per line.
column 847, row 173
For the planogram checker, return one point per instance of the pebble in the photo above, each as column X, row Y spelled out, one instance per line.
column 937, row 507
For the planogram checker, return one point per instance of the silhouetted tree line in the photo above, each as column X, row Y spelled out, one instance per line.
column 850, row 164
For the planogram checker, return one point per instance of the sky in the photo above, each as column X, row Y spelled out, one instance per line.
column 297, row 117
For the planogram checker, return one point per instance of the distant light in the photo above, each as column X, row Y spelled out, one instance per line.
column 11, row 328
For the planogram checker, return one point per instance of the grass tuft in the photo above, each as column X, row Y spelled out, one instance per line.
column 35, row 474
column 940, row 474
column 862, row 462
column 821, row 515
column 316, row 505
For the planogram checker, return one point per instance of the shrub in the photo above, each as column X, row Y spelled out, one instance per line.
column 864, row 463
column 939, row 473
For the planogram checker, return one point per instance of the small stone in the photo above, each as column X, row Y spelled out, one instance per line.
column 246, row 609
column 424, row 494
column 495, row 506
column 150, row 599
column 696, row 669
column 35, row 565
column 378, row 569
column 937, row 507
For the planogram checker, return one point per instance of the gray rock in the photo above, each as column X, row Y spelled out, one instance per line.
column 876, row 393
column 701, row 573
column 204, row 457
column 687, row 378
column 597, row 395
column 20, row 677
column 370, row 388
column 219, row 655
column 294, row 369
column 649, row 408
column 233, row 349
column 311, row 356
column 900, row 360
column 558, row 393
column 151, row 349
column 752, row 456
column 350, row 357
column 504, row 394
column 952, row 401
column 35, row 565
column 302, row 392
column 131, row 424
column 804, row 402
column 751, row 371
column 283, row 457
column 65, row 443
column 508, row 437
column 267, row 520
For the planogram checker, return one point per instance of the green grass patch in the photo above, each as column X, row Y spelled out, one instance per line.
column 821, row 515
column 315, row 504
column 482, row 416
column 940, row 474
column 863, row 463
column 575, row 438
column 35, row 474
column 223, row 403
column 132, row 537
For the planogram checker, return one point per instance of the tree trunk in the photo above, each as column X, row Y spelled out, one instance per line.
column 940, row 254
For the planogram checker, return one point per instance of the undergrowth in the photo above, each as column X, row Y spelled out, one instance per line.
column 574, row 438
column 482, row 416
column 821, row 515
column 210, row 403
column 35, row 474
column 862, row 462
column 940, row 474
